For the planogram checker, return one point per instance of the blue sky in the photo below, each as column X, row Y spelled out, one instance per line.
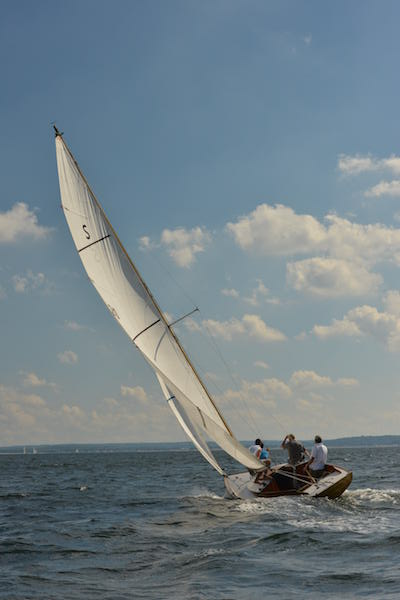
column 248, row 155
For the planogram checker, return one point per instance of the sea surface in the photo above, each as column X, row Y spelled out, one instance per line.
column 132, row 522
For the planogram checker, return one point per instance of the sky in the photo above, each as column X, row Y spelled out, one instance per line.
column 247, row 153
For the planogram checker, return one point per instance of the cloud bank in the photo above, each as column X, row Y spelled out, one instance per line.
column 358, row 163
column 250, row 326
column 365, row 320
column 343, row 253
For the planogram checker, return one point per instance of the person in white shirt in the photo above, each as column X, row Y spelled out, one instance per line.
column 319, row 455
column 256, row 448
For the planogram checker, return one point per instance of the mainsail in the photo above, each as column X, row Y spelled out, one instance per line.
column 129, row 300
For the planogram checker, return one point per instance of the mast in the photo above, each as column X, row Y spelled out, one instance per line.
column 155, row 303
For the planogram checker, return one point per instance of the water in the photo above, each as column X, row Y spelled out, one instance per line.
column 118, row 525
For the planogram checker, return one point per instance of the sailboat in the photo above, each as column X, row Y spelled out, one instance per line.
column 126, row 295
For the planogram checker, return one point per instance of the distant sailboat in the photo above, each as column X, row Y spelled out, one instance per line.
column 131, row 303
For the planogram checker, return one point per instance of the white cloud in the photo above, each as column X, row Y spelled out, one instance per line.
column 356, row 164
column 27, row 418
column 183, row 245
column 309, row 379
column 212, row 376
column 330, row 278
column 146, row 244
column 250, row 326
column 306, row 380
column 277, row 230
column 135, row 392
column 74, row 413
column 305, row 391
column 74, row 326
column 30, row 282
column 20, row 415
column 369, row 320
column 384, row 188
column 348, row 382
column 391, row 302
column 192, row 325
column 307, row 39
column 68, row 357
column 366, row 320
column 367, row 244
column 261, row 364
column 32, row 380
column 20, row 284
column 263, row 393
column 230, row 292
column 19, row 223
column 342, row 252
column 344, row 327
column 301, row 336
column 260, row 294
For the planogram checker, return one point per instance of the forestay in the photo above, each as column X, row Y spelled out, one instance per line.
column 129, row 300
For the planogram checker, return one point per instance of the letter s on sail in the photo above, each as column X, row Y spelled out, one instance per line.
column 87, row 234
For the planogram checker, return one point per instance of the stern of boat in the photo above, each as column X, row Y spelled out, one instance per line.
column 332, row 485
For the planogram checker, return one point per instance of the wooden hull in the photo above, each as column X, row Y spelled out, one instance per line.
column 338, row 488
column 284, row 481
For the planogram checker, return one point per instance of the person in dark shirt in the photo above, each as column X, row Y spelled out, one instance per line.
column 295, row 449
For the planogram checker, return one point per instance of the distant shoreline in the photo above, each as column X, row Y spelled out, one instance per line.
column 345, row 442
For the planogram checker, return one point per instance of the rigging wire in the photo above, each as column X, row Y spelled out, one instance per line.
column 253, row 425
column 214, row 384
column 161, row 265
column 242, row 396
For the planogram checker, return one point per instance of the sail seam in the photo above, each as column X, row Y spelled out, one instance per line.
column 145, row 329
column 96, row 242
column 202, row 418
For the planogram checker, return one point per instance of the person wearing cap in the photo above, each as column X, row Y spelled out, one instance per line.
column 319, row 455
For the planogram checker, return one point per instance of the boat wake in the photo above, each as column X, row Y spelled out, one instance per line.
column 373, row 496
column 361, row 512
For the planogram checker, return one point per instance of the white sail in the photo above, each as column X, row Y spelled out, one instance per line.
column 189, row 427
column 129, row 300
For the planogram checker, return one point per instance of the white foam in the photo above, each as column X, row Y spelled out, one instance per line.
column 374, row 495
column 348, row 514
column 210, row 552
column 199, row 492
